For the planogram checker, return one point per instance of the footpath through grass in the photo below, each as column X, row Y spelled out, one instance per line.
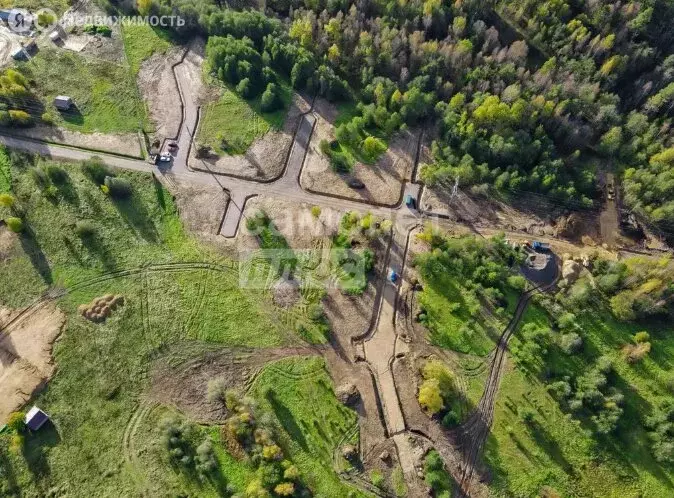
column 105, row 94
column 103, row 368
column 231, row 124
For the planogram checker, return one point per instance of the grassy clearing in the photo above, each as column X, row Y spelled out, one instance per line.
column 231, row 124
column 559, row 451
column 142, row 41
column 469, row 293
column 105, row 94
column 103, row 368
column 299, row 392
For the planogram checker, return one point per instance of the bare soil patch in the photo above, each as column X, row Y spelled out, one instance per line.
column 25, row 354
column 159, row 90
column 119, row 143
column 286, row 293
column 348, row 315
column 201, row 208
column 382, row 181
column 180, row 377
column 7, row 239
column 265, row 159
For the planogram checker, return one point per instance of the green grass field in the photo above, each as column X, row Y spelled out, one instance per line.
column 5, row 171
column 105, row 94
column 238, row 122
column 452, row 326
column 103, row 368
column 559, row 451
column 299, row 393
column 141, row 41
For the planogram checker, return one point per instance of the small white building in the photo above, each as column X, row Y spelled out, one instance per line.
column 63, row 103
column 35, row 418
column 55, row 36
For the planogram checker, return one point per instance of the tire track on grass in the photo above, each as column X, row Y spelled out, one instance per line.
column 473, row 433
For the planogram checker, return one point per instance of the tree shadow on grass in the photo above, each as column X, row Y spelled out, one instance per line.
column 286, row 418
column 159, row 192
column 34, row 449
column 136, row 215
column 33, row 249
column 550, row 446
column 73, row 116
column 69, row 192
column 95, row 245
column 7, row 471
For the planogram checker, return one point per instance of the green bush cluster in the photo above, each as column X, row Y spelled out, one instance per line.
column 255, row 435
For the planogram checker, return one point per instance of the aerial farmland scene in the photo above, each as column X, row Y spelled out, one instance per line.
column 336, row 248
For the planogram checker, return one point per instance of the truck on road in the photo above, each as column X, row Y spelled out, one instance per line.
column 540, row 246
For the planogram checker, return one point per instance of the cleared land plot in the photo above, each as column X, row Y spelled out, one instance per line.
column 104, row 93
column 382, row 181
column 299, row 392
column 141, row 41
column 103, row 368
column 231, row 124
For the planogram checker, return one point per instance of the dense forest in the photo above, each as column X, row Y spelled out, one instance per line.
column 535, row 96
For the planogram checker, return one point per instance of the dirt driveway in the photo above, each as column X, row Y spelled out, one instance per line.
column 25, row 353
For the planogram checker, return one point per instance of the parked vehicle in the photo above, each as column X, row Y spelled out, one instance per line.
column 165, row 158
column 541, row 246
column 410, row 202
column 392, row 276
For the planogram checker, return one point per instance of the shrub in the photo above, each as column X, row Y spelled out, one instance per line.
column 285, row 489
column 206, row 462
column 57, row 174
column 291, row 473
column 315, row 211
column 429, row 396
column 272, row 452
column 16, row 421
column 6, row 200
column 270, row 100
column 14, row 224
column 216, row 390
column 377, row 478
column 641, row 337
column 16, row 443
column 527, row 415
column 47, row 118
column 51, row 193
column 635, row 354
column 85, row 229
column 20, row 118
column 517, row 282
column 567, row 321
column 373, row 147
column 119, row 188
column 244, row 88
column 96, row 170
column 570, row 343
